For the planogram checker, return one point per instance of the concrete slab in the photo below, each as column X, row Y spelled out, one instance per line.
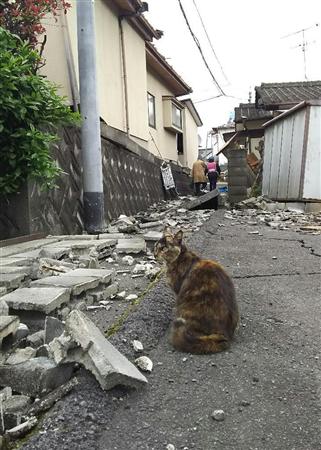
column 41, row 299
column 25, row 247
column 4, row 308
column 76, row 237
column 206, row 201
column 21, row 355
column 15, row 269
column 3, row 292
column 99, row 356
column 11, row 280
column 35, row 377
column 54, row 251
column 114, row 236
column 8, row 325
column 15, row 261
column 104, row 276
column 76, row 284
column 147, row 225
column 134, row 245
column 153, row 236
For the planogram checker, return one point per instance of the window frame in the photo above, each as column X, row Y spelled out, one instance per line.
column 152, row 97
column 174, row 109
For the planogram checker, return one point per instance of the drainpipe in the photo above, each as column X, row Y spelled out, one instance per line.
column 70, row 63
column 123, row 57
column 90, row 131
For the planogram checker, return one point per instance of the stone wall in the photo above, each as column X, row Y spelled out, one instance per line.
column 132, row 182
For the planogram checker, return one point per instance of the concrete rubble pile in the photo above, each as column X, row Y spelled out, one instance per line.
column 48, row 289
column 280, row 216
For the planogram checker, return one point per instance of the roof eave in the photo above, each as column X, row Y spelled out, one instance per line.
column 128, row 8
column 157, row 62
column 191, row 107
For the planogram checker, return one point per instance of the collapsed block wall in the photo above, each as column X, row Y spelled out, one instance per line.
column 132, row 182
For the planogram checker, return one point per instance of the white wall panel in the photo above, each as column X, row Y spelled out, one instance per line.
column 296, row 155
column 312, row 175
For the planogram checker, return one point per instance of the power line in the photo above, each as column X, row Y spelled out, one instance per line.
column 210, row 42
column 200, row 50
column 217, row 96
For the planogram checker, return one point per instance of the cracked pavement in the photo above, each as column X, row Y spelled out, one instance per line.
column 268, row 383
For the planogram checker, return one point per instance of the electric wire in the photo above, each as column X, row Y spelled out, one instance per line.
column 200, row 50
column 210, row 42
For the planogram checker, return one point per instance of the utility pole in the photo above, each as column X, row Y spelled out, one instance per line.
column 90, row 131
column 303, row 45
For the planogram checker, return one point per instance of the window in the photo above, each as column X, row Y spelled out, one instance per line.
column 176, row 116
column 151, row 110
column 180, row 143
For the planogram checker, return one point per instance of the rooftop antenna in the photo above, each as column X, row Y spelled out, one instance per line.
column 303, row 44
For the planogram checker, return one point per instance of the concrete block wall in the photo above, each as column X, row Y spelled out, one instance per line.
column 237, row 175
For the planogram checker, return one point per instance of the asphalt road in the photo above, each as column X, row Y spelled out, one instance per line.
column 268, row 383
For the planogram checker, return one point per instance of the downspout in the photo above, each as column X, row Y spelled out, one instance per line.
column 124, row 68
column 70, row 64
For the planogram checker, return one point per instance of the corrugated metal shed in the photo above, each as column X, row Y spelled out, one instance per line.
column 292, row 154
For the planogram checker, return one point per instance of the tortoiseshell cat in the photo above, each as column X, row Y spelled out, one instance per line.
column 206, row 309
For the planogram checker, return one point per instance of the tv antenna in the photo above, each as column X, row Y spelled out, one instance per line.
column 303, row 44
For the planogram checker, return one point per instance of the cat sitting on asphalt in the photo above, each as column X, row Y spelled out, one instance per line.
column 206, row 309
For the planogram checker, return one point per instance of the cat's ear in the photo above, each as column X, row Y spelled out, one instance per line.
column 178, row 237
column 167, row 232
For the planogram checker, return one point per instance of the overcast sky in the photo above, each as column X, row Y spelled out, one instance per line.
column 247, row 38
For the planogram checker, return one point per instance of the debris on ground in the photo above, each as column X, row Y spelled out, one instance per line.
column 260, row 210
column 44, row 287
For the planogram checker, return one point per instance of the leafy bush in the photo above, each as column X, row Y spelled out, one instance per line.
column 30, row 112
column 25, row 17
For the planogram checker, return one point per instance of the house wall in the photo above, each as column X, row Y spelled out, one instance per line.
column 190, row 140
column 111, row 80
column 164, row 139
column 284, row 157
column 135, row 54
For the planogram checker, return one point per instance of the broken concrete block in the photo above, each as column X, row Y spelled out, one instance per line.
column 8, row 326
column 153, row 236
column 76, row 284
column 13, row 408
column 43, row 350
column 103, row 276
column 36, row 339
column 144, row 363
column 54, row 251
column 21, row 355
column 22, row 429
column 50, row 399
column 147, row 225
column 53, row 328
column 206, row 201
column 4, row 308
column 35, row 377
column 5, row 393
column 128, row 260
column 99, row 356
column 21, row 332
column 45, row 299
column 135, row 245
column 11, row 280
column 103, row 294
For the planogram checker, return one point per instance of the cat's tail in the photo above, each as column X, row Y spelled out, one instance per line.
column 185, row 340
